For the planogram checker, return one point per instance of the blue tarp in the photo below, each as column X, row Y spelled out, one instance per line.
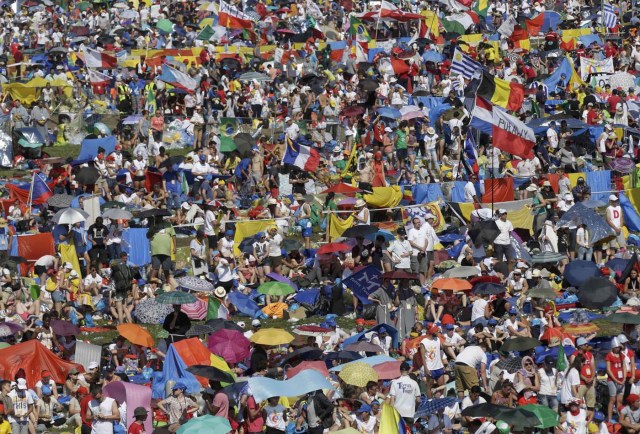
column 305, row 382
column 174, row 369
column 244, row 304
column 89, row 147
column 391, row 331
column 457, row 192
column 590, row 39
column 424, row 193
column 631, row 217
column 600, row 183
column 141, row 255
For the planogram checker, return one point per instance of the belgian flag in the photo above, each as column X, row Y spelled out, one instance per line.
column 506, row 94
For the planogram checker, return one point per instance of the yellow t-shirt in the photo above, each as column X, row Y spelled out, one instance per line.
column 51, row 284
column 5, row 427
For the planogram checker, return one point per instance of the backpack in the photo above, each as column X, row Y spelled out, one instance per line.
column 122, row 277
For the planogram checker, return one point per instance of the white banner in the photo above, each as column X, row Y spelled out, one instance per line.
column 590, row 66
column 600, row 79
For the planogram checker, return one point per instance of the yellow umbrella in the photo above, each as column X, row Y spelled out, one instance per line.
column 220, row 363
column 358, row 374
column 271, row 337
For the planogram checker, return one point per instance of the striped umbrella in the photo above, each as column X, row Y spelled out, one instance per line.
column 176, row 297
column 197, row 310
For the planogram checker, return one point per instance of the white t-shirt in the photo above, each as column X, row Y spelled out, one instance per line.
column 274, row 245
column 432, row 354
column 477, row 311
column 405, row 391
column 505, row 230
column 20, row 405
column 467, row 402
column 209, row 218
column 577, row 424
column 469, row 192
column 472, row 356
column 615, row 215
column 572, row 379
column 399, row 248
column 418, row 237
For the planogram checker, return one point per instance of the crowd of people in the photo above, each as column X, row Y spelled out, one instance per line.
column 308, row 124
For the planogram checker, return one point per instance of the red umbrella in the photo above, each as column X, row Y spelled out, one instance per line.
column 400, row 275
column 319, row 366
column 333, row 248
column 230, row 345
column 197, row 310
column 352, row 111
column 388, row 370
column 342, row 188
column 483, row 279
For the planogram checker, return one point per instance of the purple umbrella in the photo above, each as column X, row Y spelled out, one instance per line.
column 280, row 278
column 231, row 345
column 623, row 165
column 64, row 328
column 8, row 328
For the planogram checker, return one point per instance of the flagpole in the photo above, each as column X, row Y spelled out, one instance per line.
column 30, row 193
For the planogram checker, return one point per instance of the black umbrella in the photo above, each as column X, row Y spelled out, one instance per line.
column 246, row 245
column 519, row 343
column 219, row 324
column 87, row 176
column 113, row 204
column 345, row 356
column 304, row 353
column 368, row 84
column 597, row 292
column 244, row 142
column 17, row 259
column 154, row 212
column 488, row 288
column 211, row 373
column 421, row 93
column 510, row 364
column 230, row 63
column 199, row 330
column 484, row 232
column 169, row 162
column 360, row 231
column 512, row 416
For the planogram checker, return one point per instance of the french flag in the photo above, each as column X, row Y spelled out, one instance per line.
column 96, row 59
column 304, row 157
column 177, row 79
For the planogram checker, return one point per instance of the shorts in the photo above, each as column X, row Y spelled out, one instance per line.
column 275, row 261
column 502, row 250
column 615, row 389
column 164, row 261
column 212, row 240
column 401, row 154
column 588, row 395
column 139, row 178
column 307, row 232
column 58, row 296
column 419, row 265
column 119, row 296
column 466, row 377
column 40, row 269
column 618, row 242
column 436, row 373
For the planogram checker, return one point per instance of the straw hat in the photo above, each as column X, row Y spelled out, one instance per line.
column 360, row 203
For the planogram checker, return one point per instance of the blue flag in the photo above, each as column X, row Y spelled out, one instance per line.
column 364, row 282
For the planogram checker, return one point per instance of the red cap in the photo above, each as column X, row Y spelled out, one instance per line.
column 632, row 398
column 361, row 321
column 433, row 330
column 82, row 391
column 46, row 373
column 118, row 147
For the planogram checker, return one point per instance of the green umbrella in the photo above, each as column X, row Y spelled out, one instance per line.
column 542, row 290
column 275, row 288
column 548, row 418
column 83, row 6
column 202, row 424
column 176, row 297
column 624, row 318
column 165, row 25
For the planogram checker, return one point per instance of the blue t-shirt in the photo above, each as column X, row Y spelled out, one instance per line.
column 173, row 182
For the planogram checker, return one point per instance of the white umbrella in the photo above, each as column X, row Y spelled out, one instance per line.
column 70, row 216
column 117, row 214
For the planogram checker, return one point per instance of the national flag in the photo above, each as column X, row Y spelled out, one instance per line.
column 400, row 66
column 98, row 78
column 216, row 309
column 304, row 157
column 480, row 7
column 471, row 152
column 151, row 104
column 508, row 132
column 506, row 94
column 431, row 23
column 609, row 17
column 337, row 49
column 97, row 59
column 428, row 208
column 206, row 33
column 391, row 422
column 184, row 183
column 231, row 17
column 40, row 191
column 464, row 64
column 314, row 10
column 568, row 44
column 388, row 9
column 177, row 79
column 358, row 29
column 455, row 6
column 508, row 26
column 543, row 22
column 459, row 23
column 571, row 77
column 561, row 362
column 361, row 53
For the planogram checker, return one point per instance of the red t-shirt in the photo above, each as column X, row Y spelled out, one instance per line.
column 254, row 425
column 135, row 428
column 84, row 404
column 616, row 363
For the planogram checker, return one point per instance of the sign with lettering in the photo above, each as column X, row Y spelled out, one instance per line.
column 364, row 282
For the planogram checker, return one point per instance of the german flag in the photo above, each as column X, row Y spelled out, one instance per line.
column 502, row 93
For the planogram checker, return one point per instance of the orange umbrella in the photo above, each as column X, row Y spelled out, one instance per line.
column 554, row 336
column 136, row 335
column 581, row 329
column 452, row 284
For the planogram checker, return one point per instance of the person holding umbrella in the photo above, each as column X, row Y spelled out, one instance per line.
column 177, row 323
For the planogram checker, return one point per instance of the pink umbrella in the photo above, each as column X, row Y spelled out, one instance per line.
column 319, row 366
column 388, row 370
column 231, row 345
column 348, row 201
column 197, row 310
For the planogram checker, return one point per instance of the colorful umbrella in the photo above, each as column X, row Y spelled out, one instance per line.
column 8, row 328
column 211, row 373
column 165, row 26
column 271, row 336
column 580, row 329
column 280, row 278
column 358, row 374
column 196, row 310
column 399, row 275
column 333, row 248
column 461, row 272
column 136, row 334
column 276, row 288
column 230, row 345
column 388, row 370
column 149, row 311
column 364, row 346
column 195, row 284
column 176, row 297
column 452, row 284
column 206, row 423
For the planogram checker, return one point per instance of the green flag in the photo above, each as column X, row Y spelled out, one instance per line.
column 561, row 363
column 358, row 29
column 215, row 309
column 206, row 33
column 151, row 104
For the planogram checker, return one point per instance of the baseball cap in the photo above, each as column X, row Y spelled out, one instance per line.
column 492, row 322
column 434, row 329
column 450, row 327
column 549, row 360
column 502, row 211
column 513, row 311
column 613, row 198
column 179, row 385
column 92, row 365
column 228, row 232
column 598, row 415
column 46, row 390
column 68, row 265
column 256, row 323
column 45, row 373
column 632, row 398
column 404, row 367
column 364, row 408
column 360, row 321
column 581, row 341
column 22, row 384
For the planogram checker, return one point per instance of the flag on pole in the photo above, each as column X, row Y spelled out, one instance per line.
column 151, row 104
column 304, row 157
column 609, row 17
column 98, row 78
column 40, row 191
column 233, row 18
column 96, row 59
column 357, row 29
column 215, row 309
column 177, row 78
column 464, row 64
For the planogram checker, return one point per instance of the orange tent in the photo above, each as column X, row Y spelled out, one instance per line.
column 34, row 358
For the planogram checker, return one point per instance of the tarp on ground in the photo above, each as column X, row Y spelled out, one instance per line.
column 391, row 331
column 90, row 147
column 29, row 92
column 384, row 197
column 135, row 395
column 174, row 369
column 141, row 254
column 304, row 382
column 34, row 358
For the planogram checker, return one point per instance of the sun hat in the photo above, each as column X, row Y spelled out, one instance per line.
column 220, row 292
column 360, row 203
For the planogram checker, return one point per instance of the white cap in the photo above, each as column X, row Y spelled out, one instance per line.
column 287, row 119
column 613, row 197
column 429, row 216
column 73, row 273
column 615, row 343
column 22, row 384
column 186, row 206
column 568, row 196
column 521, row 265
column 92, row 365
column 622, row 339
column 241, row 324
column 256, row 323
column 535, row 273
column 68, row 265
column 502, row 211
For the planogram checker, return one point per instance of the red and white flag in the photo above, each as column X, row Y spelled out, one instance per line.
column 388, row 9
column 96, row 59
column 233, row 18
column 98, row 78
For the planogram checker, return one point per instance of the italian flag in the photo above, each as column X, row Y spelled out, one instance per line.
column 459, row 23
column 215, row 309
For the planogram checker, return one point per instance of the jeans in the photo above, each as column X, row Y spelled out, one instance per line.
column 549, row 401
column 433, row 156
column 114, row 251
column 584, row 253
column 482, row 320
column 173, row 200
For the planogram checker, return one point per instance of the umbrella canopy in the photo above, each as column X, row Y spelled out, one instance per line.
column 368, row 84
column 87, row 176
column 510, row 364
column 149, row 311
column 342, row 188
column 199, row 330
column 211, row 373
column 389, row 112
column 60, row 201
column 577, row 272
column 596, row 224
column 154, row 212
column 461, row 272
column 427, row 408
column 136, row 334
column 580, row 329
column 624, row 318
column 280, row 278
column 547, row 417
column 512, row 416
column 388, row 236
column 519, row 343
column 252, row 75
column 196, row 310
column 230, row 345
column 206, row 423
column 360, row 231
column 333, row 248
column 176, row 297
column 291, row 245
column 484, row 232
column 597, row 292
column 70, row 216
column 488, row 288
column 276, row 288
column 8, row 328
column 195, row 284
column 352, row 111
column 311, row 330
column 304, row 353
column 547, row 258
column 364, row 346
column 388, row 370
column 623, row 165
column 452, row 284
column 64, row 328
column 358, row 374
column 112, row 204
column 220, row 323
column 399, row 275
column 542, row 290
column 117, row 214
column 271, row 336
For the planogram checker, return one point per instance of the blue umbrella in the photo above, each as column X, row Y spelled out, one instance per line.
column 280, row 278
column 244, row 303
column 432, row 56
column 450, row 238
column 388, row 236
column 618, row 264
column 597, row 226
column 427, row 408
column 488, row 288
column 389, row 112
column 593, row 203
column 577, row 272
column 391, row 331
